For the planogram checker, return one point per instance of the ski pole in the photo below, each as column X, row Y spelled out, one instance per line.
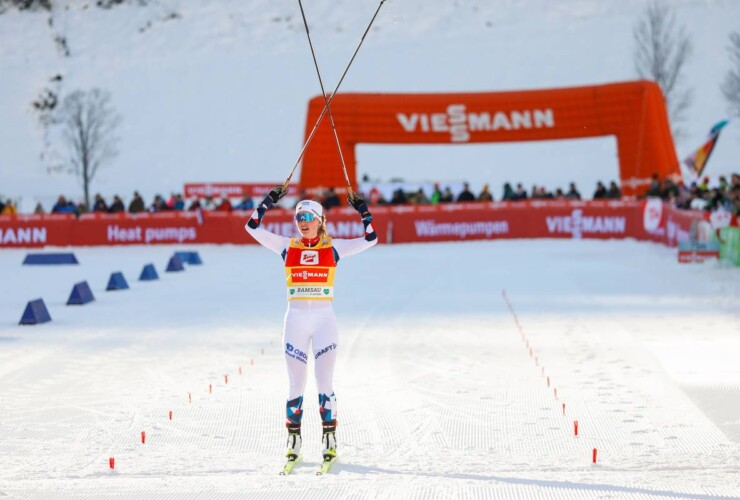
column 326, row 100
column 323, row 111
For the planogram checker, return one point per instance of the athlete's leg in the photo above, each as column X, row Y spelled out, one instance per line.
column 296, row 339
column 325, row 342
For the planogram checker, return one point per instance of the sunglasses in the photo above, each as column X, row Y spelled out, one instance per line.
column 305, row 217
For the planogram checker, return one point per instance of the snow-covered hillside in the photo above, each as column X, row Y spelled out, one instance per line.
column 217, row 90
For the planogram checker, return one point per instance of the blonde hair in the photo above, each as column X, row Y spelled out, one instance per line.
column 322, row 229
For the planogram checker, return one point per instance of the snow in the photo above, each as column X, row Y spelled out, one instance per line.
column 438, row 395
column 217, row 91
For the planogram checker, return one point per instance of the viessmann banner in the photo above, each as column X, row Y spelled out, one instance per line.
column 641, row 220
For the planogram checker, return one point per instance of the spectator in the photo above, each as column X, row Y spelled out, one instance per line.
column 723, row 183
column 654, row 189
column 9, row 208
column 195, row 205
column 573, row 193
column 208, row 203
column 735, row 181
column 158, row 205
column 684, row 196
column 99, row 204
column 332, row 199
column 466, row 194
column 508, row 193
column 436, row 195
column 446, row 196
column 225, row 205
column 62, row 206
column 171, row 201
column 559, row 195
column 485, row 194
column 246, row 203
column 372, row 198
column 669, row 189
column 520, row 193
column 614, row 192
column 2, row 206
column 137, row 204
column 544, row 194
column 420, row 198
column 179, row 202
column 399, row 197
column 117, row 205
column 600, row 192
column 39, row 210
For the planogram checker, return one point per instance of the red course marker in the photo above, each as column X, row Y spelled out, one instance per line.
column 210, row 388
column 594, row 455
column 226, row 379
column 555, row 390
column 143, row 437
column 170, row 414
column 240, row 370
column 190, row 398
column 548, row 381
column 563, row 409
column 575, row 427
column 112, row 463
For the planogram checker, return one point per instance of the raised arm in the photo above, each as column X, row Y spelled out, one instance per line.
column 273, row 241
column 346, row 248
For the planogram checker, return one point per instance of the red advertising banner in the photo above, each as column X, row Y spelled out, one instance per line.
column 643, row 220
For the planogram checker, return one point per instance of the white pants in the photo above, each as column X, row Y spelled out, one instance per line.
column 310, row 327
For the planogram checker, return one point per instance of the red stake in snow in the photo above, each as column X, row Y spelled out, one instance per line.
column 240, row 370
column 563, row 409
column 190, row 398
column 548, row 381
column 170, row 414
column 594, row 455
column 555, row 390
column 143, row 437
column 112, row 463
column 575, row 427
column 226, row 379
column 210, row 388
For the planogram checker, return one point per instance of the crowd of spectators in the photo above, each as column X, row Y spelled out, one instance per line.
column 700, row 195
column 419, row 197
column 697, row 195
column 176, row 202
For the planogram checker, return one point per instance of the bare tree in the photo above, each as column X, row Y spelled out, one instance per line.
column 89, row 123
column 661, row 52
column 731, row 85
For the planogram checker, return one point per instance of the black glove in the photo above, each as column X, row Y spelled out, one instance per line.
column 357, row 202
column 277, row 192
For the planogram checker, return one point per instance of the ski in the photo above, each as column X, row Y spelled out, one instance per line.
column 326, row 465
column 292, row 461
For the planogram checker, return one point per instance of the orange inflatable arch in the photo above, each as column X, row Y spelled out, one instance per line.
column 634, row 112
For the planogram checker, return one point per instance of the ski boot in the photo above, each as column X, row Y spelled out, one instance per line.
column 330, row 446
column 293, row 454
